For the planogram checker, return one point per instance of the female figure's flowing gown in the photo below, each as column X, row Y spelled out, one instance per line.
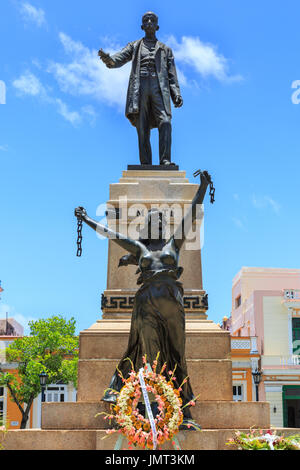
column 158, row 322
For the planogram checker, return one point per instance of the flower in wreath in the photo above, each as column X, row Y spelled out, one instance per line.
column 143, row 431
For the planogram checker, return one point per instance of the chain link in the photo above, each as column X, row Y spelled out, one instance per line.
column 79, row 237
column 212, row 192
column 211, row 186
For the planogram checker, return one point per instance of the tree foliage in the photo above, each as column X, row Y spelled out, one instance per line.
column 51, row 347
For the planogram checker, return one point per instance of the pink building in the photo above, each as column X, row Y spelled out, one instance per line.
column 266, row 309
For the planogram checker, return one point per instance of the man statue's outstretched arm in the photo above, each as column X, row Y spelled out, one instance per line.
column 117, row 60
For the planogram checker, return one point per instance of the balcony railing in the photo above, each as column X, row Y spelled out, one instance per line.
column 246, row 343
column 279, row 361
column 240, row 343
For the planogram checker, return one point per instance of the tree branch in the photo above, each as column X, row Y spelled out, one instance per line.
column 15, row 398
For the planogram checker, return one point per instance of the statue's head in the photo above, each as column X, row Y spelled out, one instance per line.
column 150, row 22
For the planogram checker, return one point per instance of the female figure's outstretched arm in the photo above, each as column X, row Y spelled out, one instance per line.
column 133, row 246
column 187, row 221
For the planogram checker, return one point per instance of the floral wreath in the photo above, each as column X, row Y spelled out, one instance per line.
column 136, row 427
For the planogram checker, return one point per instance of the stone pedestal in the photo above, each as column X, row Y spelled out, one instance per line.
column 207, row 353
column 136, row 192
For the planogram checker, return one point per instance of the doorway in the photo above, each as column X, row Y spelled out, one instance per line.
column 291, row 406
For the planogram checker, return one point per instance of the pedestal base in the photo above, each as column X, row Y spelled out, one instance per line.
column 37, row 439
column 73, row 426
column 172, row 167
column 207, row 353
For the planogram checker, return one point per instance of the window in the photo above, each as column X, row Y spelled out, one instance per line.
column 1, row 405
column 55, row 393
column 238, row 301
column 296, row 335
column 238, row 393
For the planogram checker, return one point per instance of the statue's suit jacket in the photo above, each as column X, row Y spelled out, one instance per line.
column 166, row 73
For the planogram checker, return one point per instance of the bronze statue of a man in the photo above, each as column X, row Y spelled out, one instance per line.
column 153, row 81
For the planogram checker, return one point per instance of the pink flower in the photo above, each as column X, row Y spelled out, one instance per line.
column 170, row 372
column 192, row 403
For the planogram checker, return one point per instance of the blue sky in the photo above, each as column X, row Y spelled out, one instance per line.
column 64, row 139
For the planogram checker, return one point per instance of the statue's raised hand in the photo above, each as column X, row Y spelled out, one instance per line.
column 106, row 58
column 80, row 212
column 205, row 177
column 178, row 101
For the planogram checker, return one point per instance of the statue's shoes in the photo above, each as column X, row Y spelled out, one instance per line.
column 166, row 162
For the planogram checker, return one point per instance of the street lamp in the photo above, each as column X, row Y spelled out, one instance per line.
column 256, row 374
column 43, row 380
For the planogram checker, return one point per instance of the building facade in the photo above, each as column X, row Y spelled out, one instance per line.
column 10, row 414
column 266, row 313
column 245, row 360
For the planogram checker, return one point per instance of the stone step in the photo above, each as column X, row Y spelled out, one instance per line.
column 109, row 339
column 211, row 378
column 209, row 414
column 39, row 439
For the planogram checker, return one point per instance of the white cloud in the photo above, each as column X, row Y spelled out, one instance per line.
column 202, row 57
column 86, row 75
column 29, row 84
column 262, row 202
column 32, row 14
column 3, row 148
column 90, row 113
column 239, row 223
column 72, row 116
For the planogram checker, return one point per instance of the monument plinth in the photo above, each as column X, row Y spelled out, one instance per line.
column 141, row 190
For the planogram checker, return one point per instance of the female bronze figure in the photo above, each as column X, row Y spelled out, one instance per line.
column 158, row 317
